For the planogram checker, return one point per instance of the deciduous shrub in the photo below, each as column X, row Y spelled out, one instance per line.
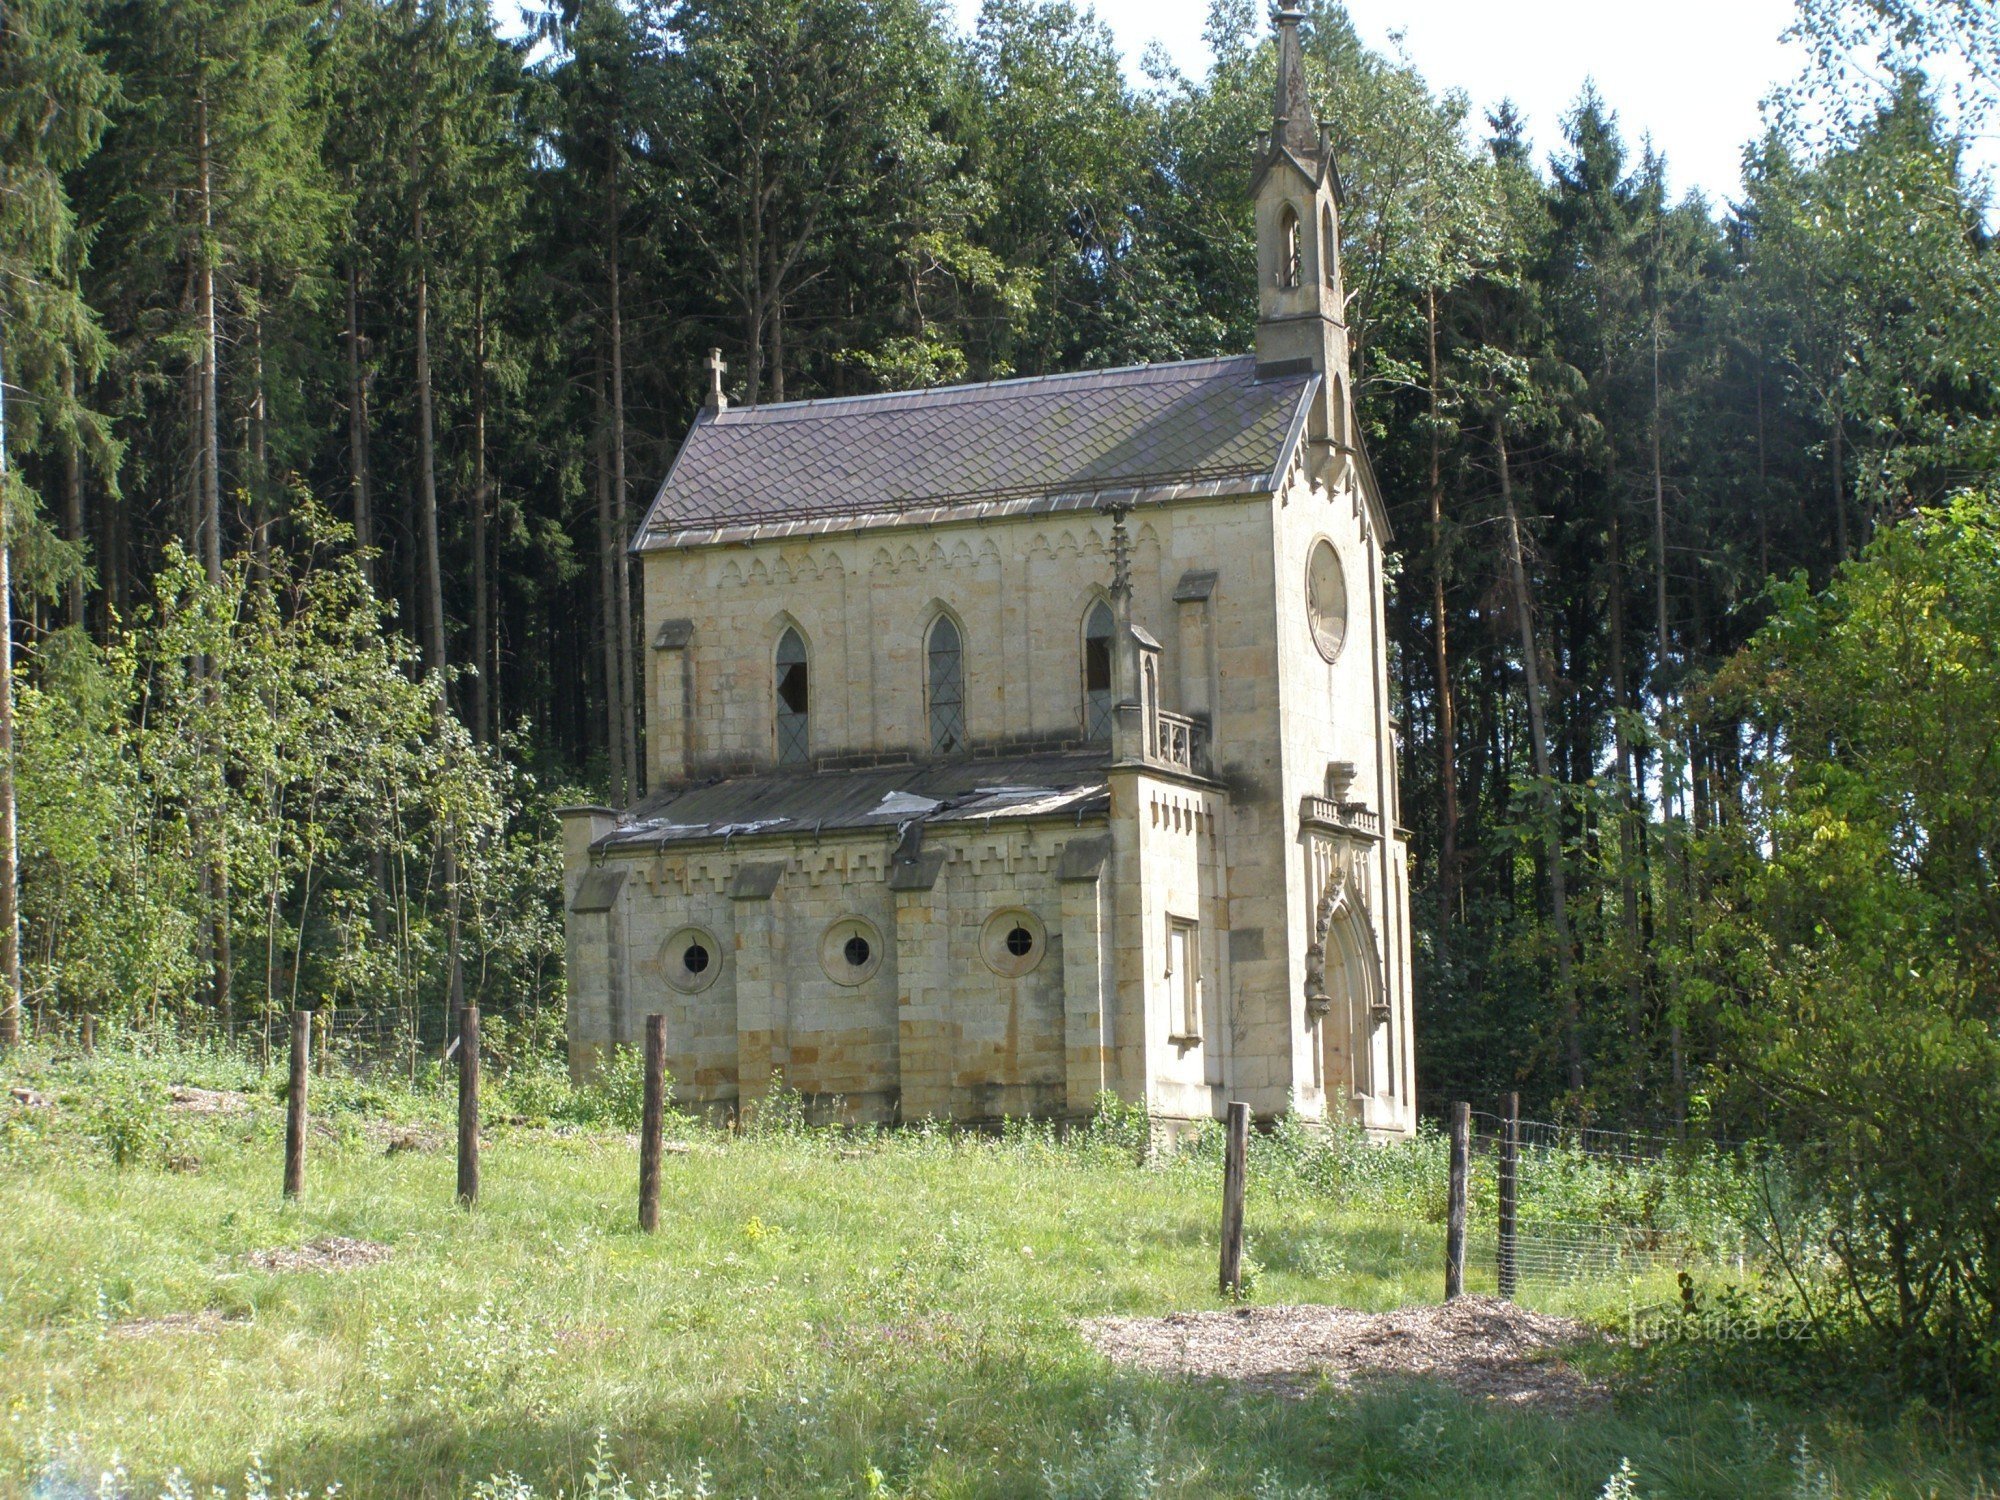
column 1849, row 949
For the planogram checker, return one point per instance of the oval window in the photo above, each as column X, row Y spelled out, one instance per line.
column 1326, row 598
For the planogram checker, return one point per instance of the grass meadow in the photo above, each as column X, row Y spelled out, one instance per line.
column 821, row 1313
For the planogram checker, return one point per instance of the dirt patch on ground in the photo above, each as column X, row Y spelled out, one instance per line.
column 208, row 1320
column 193, row 1101
column 396, row 1139
column 667, row 1148
column 333, row 1253
column 1482, row 1347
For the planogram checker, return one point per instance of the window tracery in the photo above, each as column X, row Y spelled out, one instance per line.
column 794, row 700
column 944, row 655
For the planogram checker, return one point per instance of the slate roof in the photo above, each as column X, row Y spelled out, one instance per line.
column 1053, row 442
column 1067, row 784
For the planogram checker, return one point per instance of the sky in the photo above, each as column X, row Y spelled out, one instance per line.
column 1690, row 74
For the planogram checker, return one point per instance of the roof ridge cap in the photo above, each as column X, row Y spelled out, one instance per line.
column 1164, row 369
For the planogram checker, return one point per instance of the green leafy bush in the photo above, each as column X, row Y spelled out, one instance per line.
column 616, row 1095
column 1849, row 952
column 129, row 1120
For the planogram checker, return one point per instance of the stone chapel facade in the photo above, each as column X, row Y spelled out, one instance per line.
column 1011, row 743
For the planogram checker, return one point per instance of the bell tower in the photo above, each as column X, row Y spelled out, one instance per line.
column 1301, row 309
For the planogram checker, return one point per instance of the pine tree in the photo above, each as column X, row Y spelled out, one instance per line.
column 52, row 97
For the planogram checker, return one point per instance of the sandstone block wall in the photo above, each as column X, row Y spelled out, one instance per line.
column 1221, row 583
column 932, row 1026
column 1018, row 589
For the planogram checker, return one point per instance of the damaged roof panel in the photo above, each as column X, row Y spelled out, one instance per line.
column 1060, row 784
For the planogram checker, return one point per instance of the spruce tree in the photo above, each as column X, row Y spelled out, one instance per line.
column 52, row 97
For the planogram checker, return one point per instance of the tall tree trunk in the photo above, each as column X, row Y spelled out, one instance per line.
column 607, row 581
column 211, row 383
column 482, row 604
column 1447, row 702
column 1659, row 525
column 114, row 551
column 1840, row 482
column 1661, row 647
column 628, row 710
column 10, row 846
column 191, row 397
column 1632, row 948
column 434, row 637
column 72, row 495
column 260, row 459
column 427, row 506
column 753, row 286
column 357, row 429
column 778, row 349
column 1763, row 481
column 1551, row 803
column 211, row 543
column 359, row 484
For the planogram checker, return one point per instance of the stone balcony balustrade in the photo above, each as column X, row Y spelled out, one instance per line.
column 1181, row 742
column 1174, row 740
column 1345, row 817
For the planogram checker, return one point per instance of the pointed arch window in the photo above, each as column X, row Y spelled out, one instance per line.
column 1288, row 247
column 1097, row 692
column 794, row 700
column 944, row 658
column 1329, row 249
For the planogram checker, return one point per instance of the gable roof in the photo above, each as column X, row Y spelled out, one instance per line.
column 1054, row 442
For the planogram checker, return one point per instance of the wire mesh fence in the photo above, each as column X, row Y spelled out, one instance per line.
column 353, row 1038
column 1577, row 1204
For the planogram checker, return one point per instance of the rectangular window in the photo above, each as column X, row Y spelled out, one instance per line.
column 1184, row 979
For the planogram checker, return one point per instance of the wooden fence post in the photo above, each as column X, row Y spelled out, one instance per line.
column 1234, row 1157
column 468, row 1105
column 653, row 1122
column 1454, row 1234
column 1510, row 1188
column 296, row 1119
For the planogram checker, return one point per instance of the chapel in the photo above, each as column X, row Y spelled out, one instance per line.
column 1014, row 743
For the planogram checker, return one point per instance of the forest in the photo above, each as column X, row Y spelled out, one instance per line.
column 344, row 340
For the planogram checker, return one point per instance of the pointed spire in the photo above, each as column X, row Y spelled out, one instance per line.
column 1293, row 126
column 1121, row 561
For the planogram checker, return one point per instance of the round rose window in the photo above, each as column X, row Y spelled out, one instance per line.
column 1326, row 598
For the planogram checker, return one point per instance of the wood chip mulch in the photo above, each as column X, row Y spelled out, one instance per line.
column 333, row 1253
column 1482, row 1347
